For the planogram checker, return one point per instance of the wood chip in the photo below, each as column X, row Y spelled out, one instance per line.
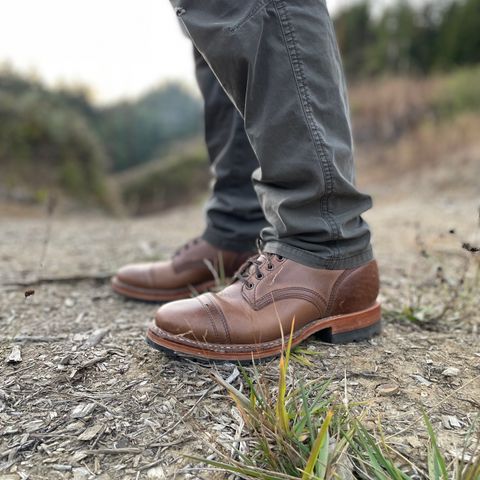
column 65, row 360
column 157, row 473
column 96, row 337
column 415, row 442
column 422, row 380
column 79, row 456
column 388, row 389
column 15, row 355
column 450, row 422
column 33, row 426
column 80, row 473
column 62, row 468
column 90, row 432
column 233, row 376
column 451, row 372
column 83, row 410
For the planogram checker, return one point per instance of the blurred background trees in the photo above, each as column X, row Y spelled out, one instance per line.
column 59, row 141
column 47, row 141
column 146, row 154
column 134, row 132
column 403, row 39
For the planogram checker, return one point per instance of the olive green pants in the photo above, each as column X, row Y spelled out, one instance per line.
column 283, row 123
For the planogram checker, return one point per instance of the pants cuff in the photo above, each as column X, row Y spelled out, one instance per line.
column 238, row 244
column 310, row 259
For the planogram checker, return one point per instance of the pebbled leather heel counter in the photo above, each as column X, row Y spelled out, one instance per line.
column 355, row 290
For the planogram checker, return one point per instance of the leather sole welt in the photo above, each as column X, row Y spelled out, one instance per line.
column 353, row 327
column 157, row 295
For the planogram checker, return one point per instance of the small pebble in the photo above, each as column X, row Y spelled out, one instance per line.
column 69, row 303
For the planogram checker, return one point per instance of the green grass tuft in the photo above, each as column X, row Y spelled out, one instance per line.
column 302, row 431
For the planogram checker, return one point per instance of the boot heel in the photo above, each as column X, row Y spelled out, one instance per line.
column 353, row 327
column 354, row 336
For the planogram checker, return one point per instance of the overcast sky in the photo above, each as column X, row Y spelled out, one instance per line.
column 119, row 48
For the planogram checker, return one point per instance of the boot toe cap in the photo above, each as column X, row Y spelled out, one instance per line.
column 191, row 319
column 136, row 274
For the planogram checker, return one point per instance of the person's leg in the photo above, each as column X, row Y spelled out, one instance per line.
column 233, row 212
column 278, row 61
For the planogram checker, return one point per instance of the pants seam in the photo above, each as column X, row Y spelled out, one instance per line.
column 319, row 144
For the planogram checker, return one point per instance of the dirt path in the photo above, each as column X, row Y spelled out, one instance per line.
column 89, row 399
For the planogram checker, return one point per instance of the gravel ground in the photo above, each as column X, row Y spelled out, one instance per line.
column 82, row 396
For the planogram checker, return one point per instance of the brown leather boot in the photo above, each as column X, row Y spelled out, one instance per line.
column 191, row 270
column 246, row 320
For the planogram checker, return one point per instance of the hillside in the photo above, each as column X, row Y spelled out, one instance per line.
column 405, row 126
column 58, row 143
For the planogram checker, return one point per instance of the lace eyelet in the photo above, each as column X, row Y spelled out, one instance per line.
column 280, row 258
column 270, row 267
column 249, row 286
column 259, row 277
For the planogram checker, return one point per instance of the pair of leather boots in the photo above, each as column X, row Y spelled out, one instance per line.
column 268, row 297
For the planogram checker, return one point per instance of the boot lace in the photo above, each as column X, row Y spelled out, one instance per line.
column 255, row 265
